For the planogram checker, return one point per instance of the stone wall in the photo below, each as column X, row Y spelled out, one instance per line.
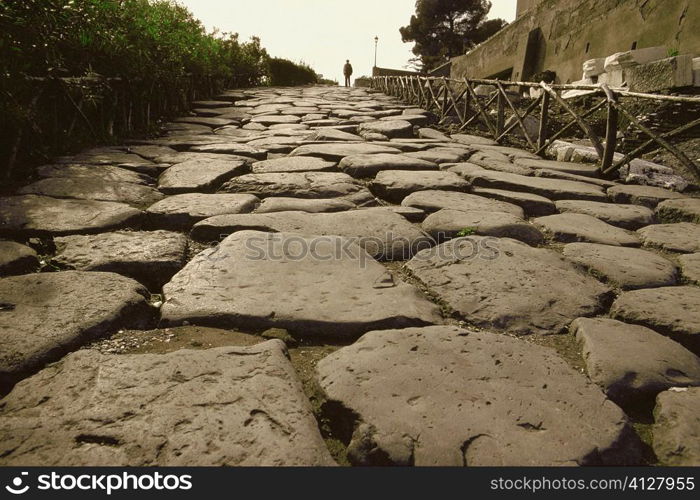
column 392, row 72
column 560, row 35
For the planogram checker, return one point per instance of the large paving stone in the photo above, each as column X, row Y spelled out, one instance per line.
column 293, row 164
column 44, row 316
column 151, row 258
column 628, row 268
column 370, row 165
column 232, row 149
column 569, row 227
column 395, row 185
column 379, row 231
column 323, row 286
column 441, row 396
column 690, row 266
column 268, row 120
column 681, row 237
column 554, row 189
column 324, row 205
column 556, row 174
column 32, row 215
column 446, row 224
column 230, row 406
column 473, row 139
column 679, row 210
column 507, row 285
column 16, row 258
column 332, row 135
column 89, row 188
column 336, row 152
column 106, row 173
column 586, row 169
column 631, row 363
column 199, row 175
column 441, row 155
column 389, row 128
column 625, row 216
column 488, row 162
column 677, row 427
column 182, row 211
column 295, row 185
column 672, row 311
column 432, row 201
column 150, row 152
column 648, row 196
column 534, row 205
column 206, row 121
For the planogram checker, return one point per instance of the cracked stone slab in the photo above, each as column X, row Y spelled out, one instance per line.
column 442, row 396
column 295, row 185
column 679, row 210
column 369, row 165
column 673, row 311
column 199, row 175
column 446, row 224
column 630, row 217
column 682, row 237
column 151, row 258
column 379, row 231
column 631, row 363
column 628, row 268
column 94, row 188
column 570, row 227
column 677, row 427
column 648, row 196
column 229, row 406
column 182, row 211
column 293, row 164
column 432, row 201
column 395, row 185
column 16, row 258
column 507, row 285
column 44, row 316
column 533, row 204
column 32, row 215
column 690, row 267
column 336, row 152
column 321, row 286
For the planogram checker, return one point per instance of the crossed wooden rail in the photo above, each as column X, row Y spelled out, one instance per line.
column 458, row 99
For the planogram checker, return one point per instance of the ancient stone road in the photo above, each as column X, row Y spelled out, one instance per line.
column 475, row 304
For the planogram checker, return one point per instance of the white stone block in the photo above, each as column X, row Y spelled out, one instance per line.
column 593, row 67
column 622, row 60
column 614, row 79
column 669, row 73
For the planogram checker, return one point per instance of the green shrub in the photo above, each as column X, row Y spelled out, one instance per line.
column 286, row 72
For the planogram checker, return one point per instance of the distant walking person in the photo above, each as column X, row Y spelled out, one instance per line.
column 347, row 71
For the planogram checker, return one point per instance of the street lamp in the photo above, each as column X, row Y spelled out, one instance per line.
column 376, row 42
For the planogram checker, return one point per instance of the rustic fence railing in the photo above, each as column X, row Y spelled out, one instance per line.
column 498, row 113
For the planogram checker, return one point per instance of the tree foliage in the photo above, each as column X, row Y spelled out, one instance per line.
column 442, row 29
column 285, row 72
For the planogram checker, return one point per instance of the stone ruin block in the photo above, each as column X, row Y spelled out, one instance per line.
column 696, row 71
column 614, row 79
column 593, row 67
column 623, row 60
column 669, row 73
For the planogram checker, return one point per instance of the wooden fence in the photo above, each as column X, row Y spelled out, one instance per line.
column 498, row 113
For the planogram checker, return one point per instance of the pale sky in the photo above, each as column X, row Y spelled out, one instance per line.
column 324, row 33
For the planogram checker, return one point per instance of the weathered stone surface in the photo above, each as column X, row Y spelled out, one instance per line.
column 648, row 196
column 554, row 174
column 230, row 406
column 232, row 149
column 507, row 285
column 672, row 311
column 151, row 152
column 432, row 201
column 295, row 185
column 631, row 363
column 282, row 204
column 293, row 164
column 690, row 266
column 554, row 189
column 267, row 120
column 490, row 163
column 569, row 227
column 473, row 139
column 682, row 237
column 46, row 315
column 330, row 134
column 105, row 173
column 389, row 128
column 174, row 159
column 441, row 396
column 370, row 165
column 585, row 169
column 447, row 224
column 677, row 427
column 409, row 213
column 431, row 133
column 199, row 175
column 628, row 268
column 441, row 155
column 16, row 258
column 93, row 188
column 625, row 216
column 679, row 210
column 32, row 215
column 395, row 185
column 533, row 204
column 379, row 231
column 182, row 211
column 282, row 281
column 336, row 152
column 151, row 258
column 668, row 73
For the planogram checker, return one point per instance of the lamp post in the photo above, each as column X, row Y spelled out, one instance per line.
column 376, row 43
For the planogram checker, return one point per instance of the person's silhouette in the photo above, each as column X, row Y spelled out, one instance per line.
column 347, row 71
